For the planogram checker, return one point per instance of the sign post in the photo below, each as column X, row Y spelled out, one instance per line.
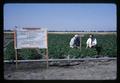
column 31, row 38
column 81, row 42
column 15, row 49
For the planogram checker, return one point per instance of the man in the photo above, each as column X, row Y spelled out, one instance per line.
column 91, row 42
column 75, row 41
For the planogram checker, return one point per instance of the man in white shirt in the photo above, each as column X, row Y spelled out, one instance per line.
column 75, row 41
column 91, row 42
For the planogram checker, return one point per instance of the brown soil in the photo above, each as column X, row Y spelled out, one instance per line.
column 86, row 70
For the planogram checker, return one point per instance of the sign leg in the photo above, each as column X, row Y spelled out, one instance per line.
column 47, row 57
column 16, row 58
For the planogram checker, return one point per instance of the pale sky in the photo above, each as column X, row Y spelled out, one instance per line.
column 61, row 17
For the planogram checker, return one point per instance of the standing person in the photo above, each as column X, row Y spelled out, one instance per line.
column 91, row 42
column 75, row 41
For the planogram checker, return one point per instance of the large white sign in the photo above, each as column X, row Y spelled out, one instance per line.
column 31, row 38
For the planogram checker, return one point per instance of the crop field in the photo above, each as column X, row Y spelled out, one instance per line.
column 58, row 47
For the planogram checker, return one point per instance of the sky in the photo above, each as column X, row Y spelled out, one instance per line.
column 61, row 17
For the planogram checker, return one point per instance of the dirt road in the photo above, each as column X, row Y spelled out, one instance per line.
column 86, row 70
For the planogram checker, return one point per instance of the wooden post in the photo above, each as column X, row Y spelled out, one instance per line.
column 15, row 49
column 47, row 57
column 47, row 49
column 16, row 58
column 80, row 42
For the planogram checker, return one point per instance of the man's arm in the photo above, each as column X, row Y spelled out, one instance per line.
column 94, row 42
column 71, row 42
column 87, row 43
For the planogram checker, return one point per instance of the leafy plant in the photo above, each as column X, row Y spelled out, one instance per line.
column 58, row 47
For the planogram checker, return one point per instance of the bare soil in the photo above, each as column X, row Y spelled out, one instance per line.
column 86, row 70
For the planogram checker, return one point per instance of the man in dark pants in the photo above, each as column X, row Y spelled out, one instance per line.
column 92, row 43
column 75, row 42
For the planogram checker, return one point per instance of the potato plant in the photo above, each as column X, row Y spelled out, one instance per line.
column 58, row 48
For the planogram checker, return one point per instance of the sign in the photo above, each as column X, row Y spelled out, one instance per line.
column 31, row 38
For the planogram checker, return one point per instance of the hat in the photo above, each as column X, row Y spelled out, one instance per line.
column 76, row 35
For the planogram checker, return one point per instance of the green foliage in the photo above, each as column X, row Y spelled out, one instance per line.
column 58, row 47
column 30, row 54
column 74, row 53
column 9, row 52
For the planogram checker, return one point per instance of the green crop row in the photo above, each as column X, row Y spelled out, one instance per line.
column 58, row 47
